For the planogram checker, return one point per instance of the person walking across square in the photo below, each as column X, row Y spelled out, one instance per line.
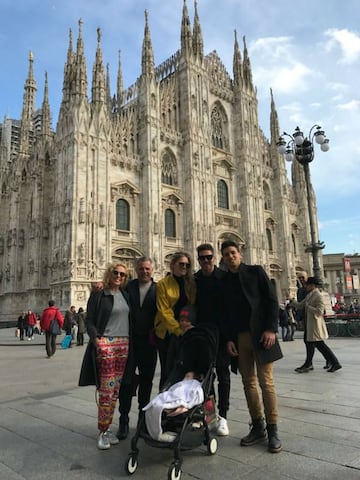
column 315, row 331
column 49, row 314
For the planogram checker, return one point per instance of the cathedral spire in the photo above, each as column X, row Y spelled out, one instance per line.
column 186, row 36
column 120, row 86
column 107, row 88
column 45, row 110
column 274, row 121
column 247, row 67
column 198, row 43
column 147, row 59
column 68, row 68
column 98, row 77
column 28, row 107
column 4, row 148
column 80, row 66
column 29, row 92
column 237, row 67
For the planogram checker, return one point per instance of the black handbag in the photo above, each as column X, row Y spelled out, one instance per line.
column 55, row 327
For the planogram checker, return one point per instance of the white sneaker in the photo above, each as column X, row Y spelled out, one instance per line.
column 221, row 429
column 103, row 441
column 113, row 440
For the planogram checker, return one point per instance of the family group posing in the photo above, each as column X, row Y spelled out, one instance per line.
column 130, row 323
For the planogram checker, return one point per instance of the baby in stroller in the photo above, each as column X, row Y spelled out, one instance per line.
column 182, row 407
column 183, row 389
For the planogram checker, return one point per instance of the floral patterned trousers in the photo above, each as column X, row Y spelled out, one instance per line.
column 111, row 357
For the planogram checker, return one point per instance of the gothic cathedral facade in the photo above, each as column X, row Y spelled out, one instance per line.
column 175, row 160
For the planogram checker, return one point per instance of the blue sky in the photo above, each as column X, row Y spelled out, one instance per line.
column 308, row 53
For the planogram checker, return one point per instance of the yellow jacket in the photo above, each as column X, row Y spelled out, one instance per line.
column 167, row 294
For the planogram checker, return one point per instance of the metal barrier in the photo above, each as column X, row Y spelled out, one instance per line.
column 343, row 325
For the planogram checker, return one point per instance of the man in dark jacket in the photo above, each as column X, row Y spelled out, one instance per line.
column 210, row 310
column 252, row 322
column 143, row 355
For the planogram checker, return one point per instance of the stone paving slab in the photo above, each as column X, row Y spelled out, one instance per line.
column 48, row 424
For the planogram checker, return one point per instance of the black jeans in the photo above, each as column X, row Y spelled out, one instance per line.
column 80, row 339
column 50, row 344
column 144, row 359
column 223, row 376
column 163, row 348
column 326, row 352
column 22, row 329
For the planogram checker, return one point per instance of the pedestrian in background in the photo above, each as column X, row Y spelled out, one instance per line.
column 80, row 319
column 292, row 321
column 315, row 329
column 49, row 314
column 21, row 325
column 30, row 321
column 284, row 323
column 70, row 321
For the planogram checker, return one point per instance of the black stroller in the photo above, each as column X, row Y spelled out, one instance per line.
column 197, row 350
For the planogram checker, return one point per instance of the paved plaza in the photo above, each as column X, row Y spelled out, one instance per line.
column 48, row 424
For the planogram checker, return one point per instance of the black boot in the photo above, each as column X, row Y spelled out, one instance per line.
column 273, row 439
column 304, row 368
column 257, row 433
column 123, row 430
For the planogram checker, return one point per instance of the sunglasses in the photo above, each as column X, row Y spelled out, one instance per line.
column 184, row 265
column 116, row 274
column 202, row 258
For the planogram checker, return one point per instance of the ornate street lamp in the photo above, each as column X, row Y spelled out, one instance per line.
column 302, row 149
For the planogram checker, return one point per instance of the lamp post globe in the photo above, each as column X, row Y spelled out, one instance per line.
column 302, row 149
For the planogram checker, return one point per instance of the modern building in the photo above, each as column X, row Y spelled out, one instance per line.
column 341, row 273
column 174, row 160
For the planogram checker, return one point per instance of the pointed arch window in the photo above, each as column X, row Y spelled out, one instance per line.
column 267, row 197
column 223, row 195
column 122, row 215
column 269, row 240
column 219, row 127
column 169, row 168
column 293, row 239
column 170, row 225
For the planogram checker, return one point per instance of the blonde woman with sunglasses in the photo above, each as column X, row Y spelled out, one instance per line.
column 107, row 321
column 173, row 292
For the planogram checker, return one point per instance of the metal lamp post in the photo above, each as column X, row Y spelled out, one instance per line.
column 302, row 149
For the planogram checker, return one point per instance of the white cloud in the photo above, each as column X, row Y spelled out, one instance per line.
column 280, row 68
column 274, row 47
column 349, row 43
column 352, row 105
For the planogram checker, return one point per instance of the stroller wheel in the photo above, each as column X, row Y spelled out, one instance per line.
column 131, row 464
column 174, row 472
column 212, row 446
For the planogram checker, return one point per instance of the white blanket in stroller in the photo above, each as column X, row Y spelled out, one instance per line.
column 186, row 393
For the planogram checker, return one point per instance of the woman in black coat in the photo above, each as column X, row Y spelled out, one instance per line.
column 107, row 321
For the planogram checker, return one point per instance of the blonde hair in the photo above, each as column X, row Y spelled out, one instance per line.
column 176, row 257
column 188, row 277
column 108, row 274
